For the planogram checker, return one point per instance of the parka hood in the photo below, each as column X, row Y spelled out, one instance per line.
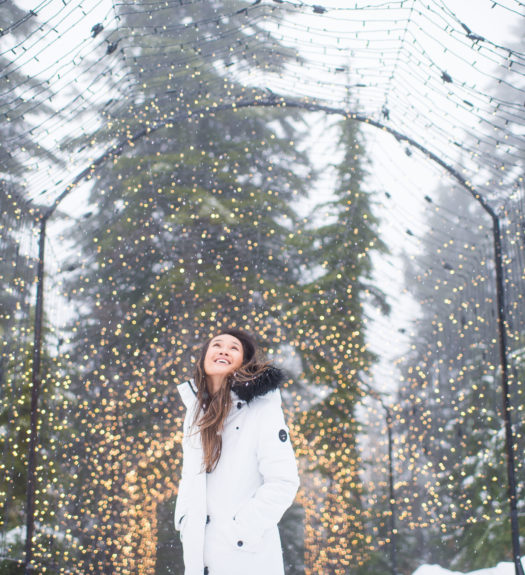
column 271, row 378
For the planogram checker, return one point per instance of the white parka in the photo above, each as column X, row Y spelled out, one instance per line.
column 228, row 518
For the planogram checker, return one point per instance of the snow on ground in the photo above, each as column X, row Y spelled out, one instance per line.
column 499, row 569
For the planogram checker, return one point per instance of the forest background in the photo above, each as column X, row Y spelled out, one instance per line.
column 230, row 218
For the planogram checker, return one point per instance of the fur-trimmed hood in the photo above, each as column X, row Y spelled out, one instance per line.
column 271, row 378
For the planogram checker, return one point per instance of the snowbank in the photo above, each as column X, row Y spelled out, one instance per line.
column 499, row 569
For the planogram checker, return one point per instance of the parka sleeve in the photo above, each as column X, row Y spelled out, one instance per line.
column 278, row 468
column 181, row 505
column 188, row 396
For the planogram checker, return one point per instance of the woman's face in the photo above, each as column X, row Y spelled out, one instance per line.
column 224, row 355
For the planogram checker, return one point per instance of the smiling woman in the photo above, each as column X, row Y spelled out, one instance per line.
column 239, row 472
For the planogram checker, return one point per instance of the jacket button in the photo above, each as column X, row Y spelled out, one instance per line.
column 239, row 405
column 240, row 543
column 207, row 519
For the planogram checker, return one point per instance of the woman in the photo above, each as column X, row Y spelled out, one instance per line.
column 239, row 472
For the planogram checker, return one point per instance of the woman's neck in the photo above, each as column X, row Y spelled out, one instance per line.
column 215, row 383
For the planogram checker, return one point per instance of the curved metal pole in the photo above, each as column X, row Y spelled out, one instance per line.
column 117, row 149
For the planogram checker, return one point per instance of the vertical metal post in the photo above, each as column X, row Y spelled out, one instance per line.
column 35, row 392
column 507, row 416
column 391, row 491
column 393, row 534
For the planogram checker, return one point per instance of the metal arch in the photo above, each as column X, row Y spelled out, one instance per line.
column 116, row 150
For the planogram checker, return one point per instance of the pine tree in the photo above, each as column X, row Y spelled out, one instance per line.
column 189, row 232
column 451, row 401
column 334, row 353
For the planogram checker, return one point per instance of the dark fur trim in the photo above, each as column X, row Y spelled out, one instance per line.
column 270, row 379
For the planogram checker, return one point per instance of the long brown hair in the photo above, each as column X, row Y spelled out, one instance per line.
column 214, row 408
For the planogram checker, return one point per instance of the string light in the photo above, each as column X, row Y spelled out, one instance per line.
column 103, row 386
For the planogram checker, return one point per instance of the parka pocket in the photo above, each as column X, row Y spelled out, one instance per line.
column 245, row 539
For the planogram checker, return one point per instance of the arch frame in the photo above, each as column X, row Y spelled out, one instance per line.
column 117, row 149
